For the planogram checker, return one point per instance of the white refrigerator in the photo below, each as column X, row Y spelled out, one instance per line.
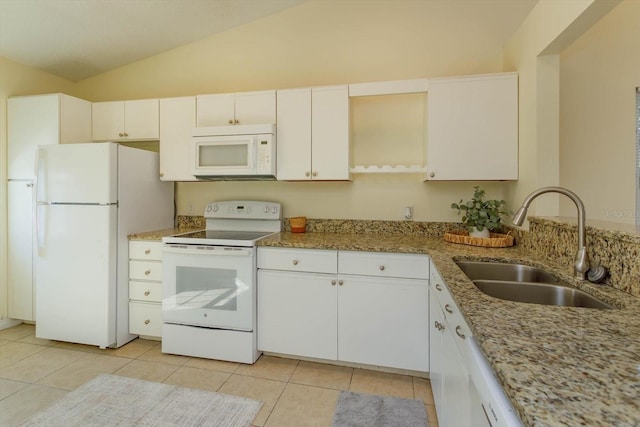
column 89, row 197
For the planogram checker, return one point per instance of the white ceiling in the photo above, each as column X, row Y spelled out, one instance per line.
column 77, row 39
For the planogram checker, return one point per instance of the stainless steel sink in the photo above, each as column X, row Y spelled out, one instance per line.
column 478, row 270
column 523, row 283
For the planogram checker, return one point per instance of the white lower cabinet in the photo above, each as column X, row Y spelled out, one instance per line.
column 297, row 314
column 307, row 307
column 383, row 321
column 145, row 288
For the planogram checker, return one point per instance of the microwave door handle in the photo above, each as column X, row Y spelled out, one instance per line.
column 252, row 153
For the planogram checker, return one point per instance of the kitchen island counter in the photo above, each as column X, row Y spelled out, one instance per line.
column 558, row 365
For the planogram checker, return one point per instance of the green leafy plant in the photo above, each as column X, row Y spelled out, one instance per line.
column 481, row 213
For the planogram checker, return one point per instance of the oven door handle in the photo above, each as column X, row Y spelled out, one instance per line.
column 204, row 250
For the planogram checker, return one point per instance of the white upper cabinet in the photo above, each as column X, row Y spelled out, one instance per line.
column 177, row 120
column 313, row 134
column 472, row 128
column 39, row 120
column 126, row 120
column 294, row 134
column 246, row 108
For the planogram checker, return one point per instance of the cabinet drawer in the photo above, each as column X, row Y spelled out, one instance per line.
column 381, row 264
column 145, row 319
column 145, row 249
column 309, row 260
column 145, row 291
column 145, row 270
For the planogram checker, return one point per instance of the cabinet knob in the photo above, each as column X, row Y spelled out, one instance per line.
column 147, row 272
column 120, row 134
column 333, row 283
column 381, row 268
column 126, row 134
column 146, row 322
column 432, row 174
column 295, row 262
column 307, row 173
column 314, row 173
column 340, row 282
column 230, row 121
column 459, row 332
column 236, row 121
column 438, row 287
column 161, row 174
column 29, row 185
column 448, row 309
column 147, row 251
column 147, row 293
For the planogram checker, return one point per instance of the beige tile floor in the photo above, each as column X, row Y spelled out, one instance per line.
column 35, row 372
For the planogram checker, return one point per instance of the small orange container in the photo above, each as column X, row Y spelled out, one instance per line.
column 298, row 224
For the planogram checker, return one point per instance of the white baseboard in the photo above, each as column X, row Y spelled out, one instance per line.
column 9, row 323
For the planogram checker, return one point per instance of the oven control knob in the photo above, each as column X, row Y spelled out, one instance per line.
column 267, row 209
column 213, row 208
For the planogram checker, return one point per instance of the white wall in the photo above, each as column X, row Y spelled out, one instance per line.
column 599, row 74
column 534, row 52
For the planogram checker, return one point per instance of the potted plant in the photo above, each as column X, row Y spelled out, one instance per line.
column 481, row 216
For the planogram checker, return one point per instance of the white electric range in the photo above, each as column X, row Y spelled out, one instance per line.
column 209, row 282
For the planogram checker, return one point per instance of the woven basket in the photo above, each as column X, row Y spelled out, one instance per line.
column 495, row 240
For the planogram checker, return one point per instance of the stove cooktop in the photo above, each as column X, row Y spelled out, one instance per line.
column 218, row 238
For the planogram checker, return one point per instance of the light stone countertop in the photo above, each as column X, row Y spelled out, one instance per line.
column 560, row 366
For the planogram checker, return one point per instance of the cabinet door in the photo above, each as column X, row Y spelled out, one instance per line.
column 456, row 402
column 142, row 119
column 32, row 121
column 472, row 128
column 108, row 120
column 75, row 120
column 436, row 323
column 330, row 133
column 20, row 250
column 177, row 120
column 215, row 110
column 384, row 321
column 297, row 314
column 255, row 107
column 294, row 134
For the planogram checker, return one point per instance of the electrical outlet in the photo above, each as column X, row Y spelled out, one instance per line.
column 408, row 212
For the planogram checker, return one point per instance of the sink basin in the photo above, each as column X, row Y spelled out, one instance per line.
column 478, row 270
column 523, row 283
column 539, row 293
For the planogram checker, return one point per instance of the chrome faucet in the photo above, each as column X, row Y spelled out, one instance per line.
column 581, row 260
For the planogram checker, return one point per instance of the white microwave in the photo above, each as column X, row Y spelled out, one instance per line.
column 243, row 152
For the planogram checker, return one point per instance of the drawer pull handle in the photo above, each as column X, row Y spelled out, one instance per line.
column 448, row 309
column 147, row 293
column 340, row 282
column 146, row 322
column 147, row 252
column 295, row 262
column 459, row 332
column 147, row 272
column 382, row 268
column 438, row 287
column 333, row 283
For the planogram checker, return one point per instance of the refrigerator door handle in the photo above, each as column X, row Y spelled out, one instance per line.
column 40, row 228
column 39, row 175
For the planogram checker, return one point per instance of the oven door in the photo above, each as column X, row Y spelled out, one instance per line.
column 209, row 286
